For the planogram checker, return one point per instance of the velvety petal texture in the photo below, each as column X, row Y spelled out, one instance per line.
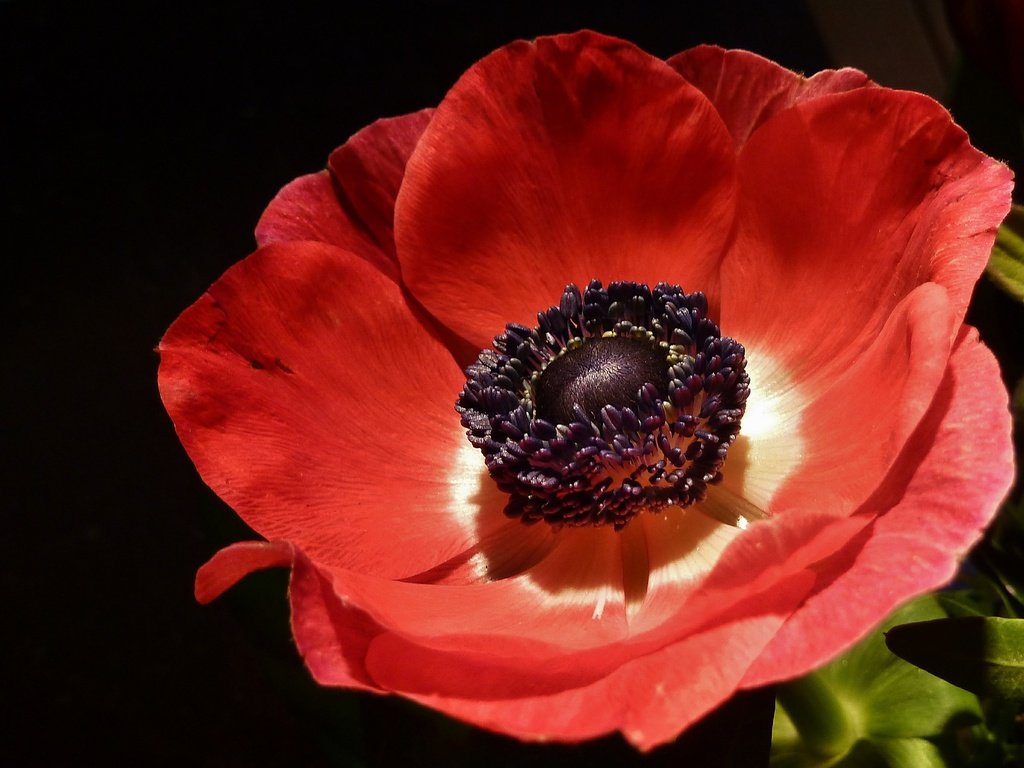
column 747, row 89
column 352, row 203
column 245, row 372
column 934, row 504
column 837, row 229
column 574, row 158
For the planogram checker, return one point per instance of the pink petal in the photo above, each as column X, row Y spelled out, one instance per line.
column 934, row 505
column 854, row 426
column 571, row 600
column 562, row 160
column 748, row 90
column 313, row 402
column 651, row 699
column 554, row 628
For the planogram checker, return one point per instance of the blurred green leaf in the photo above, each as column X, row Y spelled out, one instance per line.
column 1006, row 265
column 981, row 654
column 999, row 560
column 968, row 602
column 912, row 753
column 871, row 708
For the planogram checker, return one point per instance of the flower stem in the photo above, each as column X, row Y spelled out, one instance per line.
column 819, row 716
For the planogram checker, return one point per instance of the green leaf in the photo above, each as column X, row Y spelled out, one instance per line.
column 968, row 602
column 996, row 565
column 1006, row 265
column 981, row 654
column 910, row 753
column 869, row 707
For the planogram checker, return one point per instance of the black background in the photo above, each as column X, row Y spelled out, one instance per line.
column 140, row 146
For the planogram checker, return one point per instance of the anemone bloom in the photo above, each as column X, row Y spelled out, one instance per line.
column 746, row 423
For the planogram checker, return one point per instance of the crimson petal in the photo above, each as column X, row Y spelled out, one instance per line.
column 650, row 699
column 352, row 205
column 569, row 158
column 934, row 505
column 854, row 424
column 332, row 637
column 748, row 89
column 883, row 192
column 314, row 403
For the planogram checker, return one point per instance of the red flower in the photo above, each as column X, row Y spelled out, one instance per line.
column 837, row 229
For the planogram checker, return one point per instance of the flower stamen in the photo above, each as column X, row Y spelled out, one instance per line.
column 618, row 401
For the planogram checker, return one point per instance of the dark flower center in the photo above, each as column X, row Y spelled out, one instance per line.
column 618, row 401
column 599, row 372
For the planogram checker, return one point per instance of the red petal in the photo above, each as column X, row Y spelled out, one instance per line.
column 562, row 160
column 556, row 628
column 757, row 564
column 934, row 505
column 312, row 401
column 567, row 615
column 882, row 192
column 651, row 699
column 332, row 636
column 572, row 599
column 353, row 209
column 369, row 169
column 747, row 89
column 308, row 208
column 856, row 424
column 669, row 691
column 236, row 561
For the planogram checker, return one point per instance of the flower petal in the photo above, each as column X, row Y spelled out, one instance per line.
column 236, row 561
column 369, row 169
column 669, row 691
column 562, row 160
column 644, row 697
column 556, row 628
column 308, row 208
column 332, row 636
column 312, row 401
column 651, row 699
column 572, row 599
column 854, row 426
column 933, row 506
column 352, row 205
column 755, row 562
column 882, row 192
column 748, row 90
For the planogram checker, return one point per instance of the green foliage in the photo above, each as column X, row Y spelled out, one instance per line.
column 908, row 694
column 1006, row 265
column 871, row 708
column 982, row 654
